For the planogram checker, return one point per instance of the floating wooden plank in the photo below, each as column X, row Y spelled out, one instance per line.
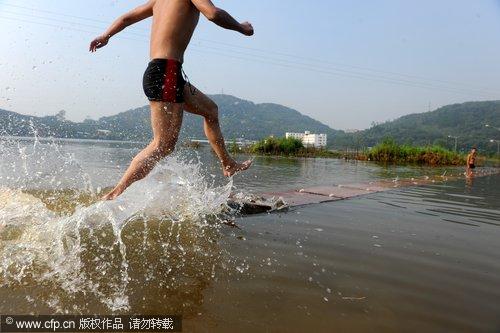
column 341, row 192
column 294, row 198
column 378, row 186
column 275, row 201
column 250, row 208
column 256, row 204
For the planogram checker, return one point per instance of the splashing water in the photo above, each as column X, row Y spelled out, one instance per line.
column 64, row 251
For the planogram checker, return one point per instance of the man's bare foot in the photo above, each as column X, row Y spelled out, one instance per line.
column 231, row 169
column 111, row 195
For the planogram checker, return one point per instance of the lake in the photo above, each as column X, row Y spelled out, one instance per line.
column 417, row 259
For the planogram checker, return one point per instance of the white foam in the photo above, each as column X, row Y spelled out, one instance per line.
column 85, row 253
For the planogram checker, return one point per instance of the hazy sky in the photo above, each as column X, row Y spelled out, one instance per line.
column 346, row 63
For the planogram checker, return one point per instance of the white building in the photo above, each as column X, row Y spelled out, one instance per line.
column 309, row 139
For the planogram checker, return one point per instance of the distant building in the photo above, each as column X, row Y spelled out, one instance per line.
column 310, row 139
column 352, row 131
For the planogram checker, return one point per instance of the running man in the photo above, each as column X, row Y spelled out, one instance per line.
column 471, row 162
column 174, row 22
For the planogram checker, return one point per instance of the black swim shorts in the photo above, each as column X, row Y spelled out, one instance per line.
column 163, row 81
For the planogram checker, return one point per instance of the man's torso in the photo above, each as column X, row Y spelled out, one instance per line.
column 471, row 159
column 174, row 22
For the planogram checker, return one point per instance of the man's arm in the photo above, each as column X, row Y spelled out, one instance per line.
column 138, row 14
column 221, row 17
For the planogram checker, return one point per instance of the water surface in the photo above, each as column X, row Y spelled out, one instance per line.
column 420, row 259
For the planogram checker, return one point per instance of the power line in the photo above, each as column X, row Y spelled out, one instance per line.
column 266, row 51
column 253, row 59
column 275, row 62
column 270, row 60
column 65, row 28
column 316, row 60
column 55, row 13
column 362, row 75
column 67, row 22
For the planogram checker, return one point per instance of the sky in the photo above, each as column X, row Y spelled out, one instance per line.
column 345, row 63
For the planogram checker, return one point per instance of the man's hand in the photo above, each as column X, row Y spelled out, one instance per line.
column 247, row 29
column 99, row 42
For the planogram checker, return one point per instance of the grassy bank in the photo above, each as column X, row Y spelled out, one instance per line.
column 492, row 161
column 386, row 152
column 390, row 152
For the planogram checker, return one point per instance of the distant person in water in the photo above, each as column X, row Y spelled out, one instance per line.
column 471, row 162
column 174, row 22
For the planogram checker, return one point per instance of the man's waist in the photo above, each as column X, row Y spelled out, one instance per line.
column 164, row 61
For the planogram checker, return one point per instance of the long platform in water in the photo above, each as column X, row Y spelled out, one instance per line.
column 279, row 201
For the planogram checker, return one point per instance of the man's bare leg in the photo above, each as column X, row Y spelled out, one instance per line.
column 166, row 120
column 200, row 104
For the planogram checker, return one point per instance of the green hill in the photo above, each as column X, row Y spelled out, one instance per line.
column 467, row 121
column 244, row 119
column 238, row 118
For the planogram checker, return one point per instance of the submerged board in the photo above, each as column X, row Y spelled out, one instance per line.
column 278, row 201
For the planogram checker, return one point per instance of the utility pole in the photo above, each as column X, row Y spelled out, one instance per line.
column 498, row 145
column 497, row 141
column 456, row 141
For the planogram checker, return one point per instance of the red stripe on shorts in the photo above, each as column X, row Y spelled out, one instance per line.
column 170, row 83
